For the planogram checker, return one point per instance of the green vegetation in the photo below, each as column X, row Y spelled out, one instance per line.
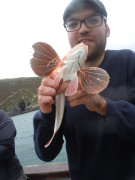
column 19, row 95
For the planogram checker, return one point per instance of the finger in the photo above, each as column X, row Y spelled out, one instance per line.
column 56, row 82
column 79, row 94
column 75, row 103
column 47, row 82
column 45, row 103
column 45, row 100
column 46, row 109
column 78, row 101
column 62, row 87
column 47, row 91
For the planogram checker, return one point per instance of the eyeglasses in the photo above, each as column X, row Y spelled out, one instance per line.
column 90, row 22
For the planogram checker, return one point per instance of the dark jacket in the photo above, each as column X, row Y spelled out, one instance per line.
column 10, row 167
column 98, row 147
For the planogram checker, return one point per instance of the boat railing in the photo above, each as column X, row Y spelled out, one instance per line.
column 50, row 171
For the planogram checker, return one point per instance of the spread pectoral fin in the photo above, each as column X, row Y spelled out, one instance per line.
column 73, row 85
column 93, row 79
column 45, row 59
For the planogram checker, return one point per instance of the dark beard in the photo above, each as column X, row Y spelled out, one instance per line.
column 97, row 52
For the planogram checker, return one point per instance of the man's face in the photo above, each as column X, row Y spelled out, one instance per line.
column 95, row 37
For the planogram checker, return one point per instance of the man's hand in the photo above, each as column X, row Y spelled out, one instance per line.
column 47, row 93
column 93, row 102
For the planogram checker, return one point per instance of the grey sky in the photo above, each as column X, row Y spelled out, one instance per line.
column 24, row 22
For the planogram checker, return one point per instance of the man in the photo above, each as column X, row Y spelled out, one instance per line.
column 10, row 167
column 99, row 129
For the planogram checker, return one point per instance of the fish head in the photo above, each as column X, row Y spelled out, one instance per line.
column 78, row 53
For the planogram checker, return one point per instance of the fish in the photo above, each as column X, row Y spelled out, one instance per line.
column 46, row 62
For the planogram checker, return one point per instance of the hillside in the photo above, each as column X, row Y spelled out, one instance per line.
column 19, row 95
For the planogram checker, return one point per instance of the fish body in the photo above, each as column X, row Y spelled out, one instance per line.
column 46, row 62
column 68, row 71
column 72, row 63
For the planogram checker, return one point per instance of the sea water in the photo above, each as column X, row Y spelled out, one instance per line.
column 24, row 141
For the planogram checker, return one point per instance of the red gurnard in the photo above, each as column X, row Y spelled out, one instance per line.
column 46, row 62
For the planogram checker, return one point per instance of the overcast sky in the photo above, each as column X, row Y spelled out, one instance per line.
column 24, row 22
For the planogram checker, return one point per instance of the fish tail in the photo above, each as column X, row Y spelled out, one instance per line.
column 60, row 106
column 49, row 142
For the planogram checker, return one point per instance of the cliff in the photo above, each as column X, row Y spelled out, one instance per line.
column 19, row 95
